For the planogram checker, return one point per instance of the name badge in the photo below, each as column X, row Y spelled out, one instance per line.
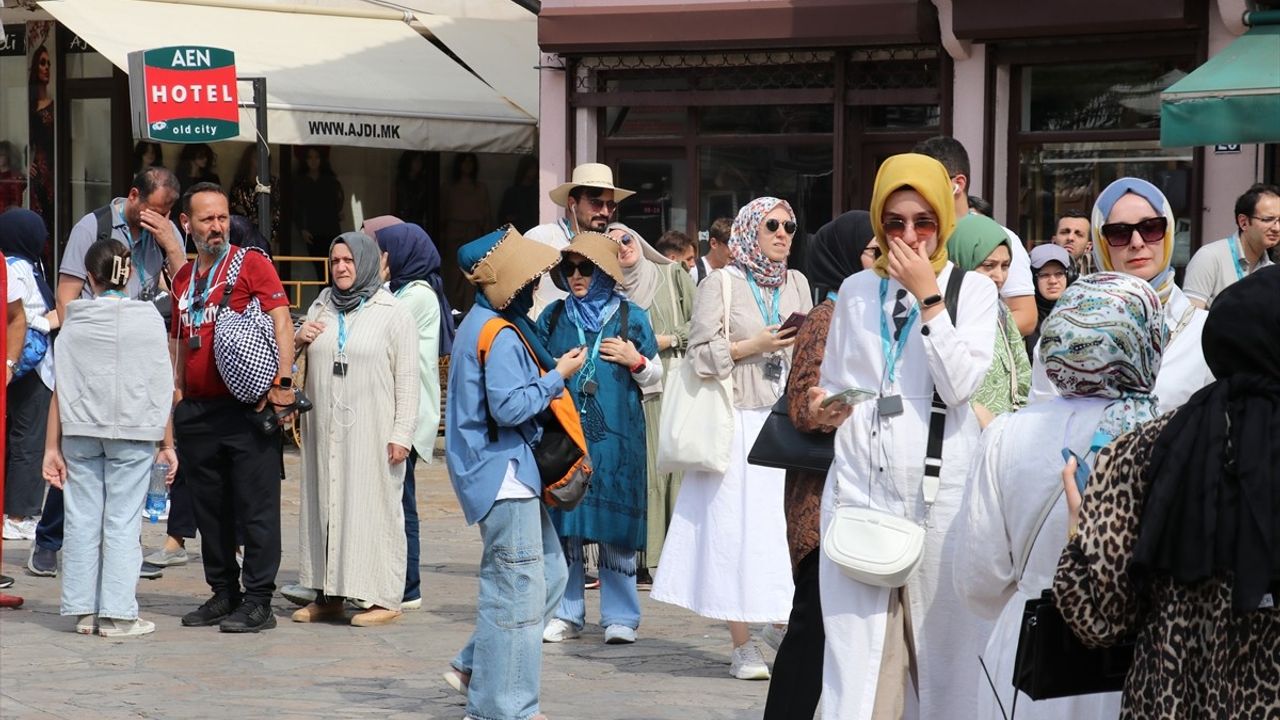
column 890, row 406
column 339, row 368
column 773, row 369
column 193, row 342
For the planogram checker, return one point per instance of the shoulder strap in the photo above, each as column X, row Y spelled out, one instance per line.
column 1044, row 515
column 103, row 215
column 623, row 316
column 938, row 409
column 233, row 274
column 489, row 333
column 554, row 320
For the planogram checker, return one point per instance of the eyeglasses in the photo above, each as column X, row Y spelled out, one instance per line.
column 1151, row 230
column 923, row 226
column 598, row 204
column 772, row 225
column 1266, row 221
column 584, row 268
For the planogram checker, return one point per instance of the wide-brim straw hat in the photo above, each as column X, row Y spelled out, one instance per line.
column 599, row 249
column 512, row 263
column 592, row 175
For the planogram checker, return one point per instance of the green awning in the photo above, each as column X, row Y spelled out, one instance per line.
column 1232, row 98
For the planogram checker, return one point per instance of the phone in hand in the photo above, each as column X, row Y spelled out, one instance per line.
column 850, row 397
column 1082, row 468
column 794, row 320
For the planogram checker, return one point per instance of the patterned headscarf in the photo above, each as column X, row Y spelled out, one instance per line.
column 1104, row 339
column 1163, row 281
column 744, row 247
column 912, row 171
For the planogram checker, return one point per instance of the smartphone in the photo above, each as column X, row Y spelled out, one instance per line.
column 850, row 397
column 1082, row 468
column 795, row 320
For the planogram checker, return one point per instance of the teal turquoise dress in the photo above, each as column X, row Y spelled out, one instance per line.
column 613, row 511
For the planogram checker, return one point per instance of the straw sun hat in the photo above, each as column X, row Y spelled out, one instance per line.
column 503, row 262
column 599, row 249
column 592, row 175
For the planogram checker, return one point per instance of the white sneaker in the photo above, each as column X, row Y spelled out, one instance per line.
column 298, row 595
column 414, row 604
column 111, row 627
column 458, row 681
column 748, row 663
column 772, row 635
column 558, row 631
column 87, row 624
column 21, row 530
column 619, row 635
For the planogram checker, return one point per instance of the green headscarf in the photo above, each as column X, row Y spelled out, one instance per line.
column 975, row 237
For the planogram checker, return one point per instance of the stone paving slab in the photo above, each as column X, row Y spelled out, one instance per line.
column 678, row 669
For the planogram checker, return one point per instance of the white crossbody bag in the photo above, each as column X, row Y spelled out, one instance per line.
column 880, row 548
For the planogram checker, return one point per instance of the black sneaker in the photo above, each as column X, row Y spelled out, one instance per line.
column 6, row 581
column 150, row 571
column 250, row 617
column 42, row 562
column 210, row 613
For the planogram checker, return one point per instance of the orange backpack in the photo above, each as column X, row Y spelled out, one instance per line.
column 561, row 455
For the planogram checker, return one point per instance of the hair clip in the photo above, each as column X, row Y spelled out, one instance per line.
column 119, row 270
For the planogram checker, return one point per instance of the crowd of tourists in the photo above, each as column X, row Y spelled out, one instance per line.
column 875, row 464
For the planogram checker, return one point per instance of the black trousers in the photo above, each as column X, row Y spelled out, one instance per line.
column 28, row 417
column 233, row 475
column 796, row 685
column 182, row 511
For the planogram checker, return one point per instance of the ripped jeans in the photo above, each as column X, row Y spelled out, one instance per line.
column 522, row 578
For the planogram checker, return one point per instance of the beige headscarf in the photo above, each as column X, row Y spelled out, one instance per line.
column 640, row 282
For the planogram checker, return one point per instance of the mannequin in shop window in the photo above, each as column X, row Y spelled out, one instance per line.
column 147, row 154
column 318, row 200
column 244, row 196
column 412, row 188
column 467, row 216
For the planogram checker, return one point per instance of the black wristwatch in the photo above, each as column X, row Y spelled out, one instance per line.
column 930, row 301
column 284, row 383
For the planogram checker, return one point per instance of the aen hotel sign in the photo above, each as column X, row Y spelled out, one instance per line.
column 184, row 94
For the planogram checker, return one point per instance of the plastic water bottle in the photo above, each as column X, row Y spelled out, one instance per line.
column 158, row 491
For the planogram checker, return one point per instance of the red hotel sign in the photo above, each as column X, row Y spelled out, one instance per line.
column 184, row 94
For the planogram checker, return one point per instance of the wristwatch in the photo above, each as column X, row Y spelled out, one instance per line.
column 284, row 383
column 930, row 301
column 639, row 366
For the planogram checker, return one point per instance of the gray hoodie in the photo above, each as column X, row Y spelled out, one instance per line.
column 111, row 363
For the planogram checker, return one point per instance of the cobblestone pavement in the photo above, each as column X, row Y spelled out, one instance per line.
column 678, row 669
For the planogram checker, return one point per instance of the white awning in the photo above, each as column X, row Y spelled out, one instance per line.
column 331, row 80
column 503, row 51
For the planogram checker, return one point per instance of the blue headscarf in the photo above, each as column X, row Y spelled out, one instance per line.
column 23, row 235
column 1163, row 281
column 588, row 312
column 412, row 256
column 517, row 311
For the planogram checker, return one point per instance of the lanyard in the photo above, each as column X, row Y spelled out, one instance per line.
column 342, row 329
column 893, row 352
column 770, row 318
column 1233, row 242
column 197, row 315
column 831, row 296
column 588, row 372
column 139, row 248
column 114, row 293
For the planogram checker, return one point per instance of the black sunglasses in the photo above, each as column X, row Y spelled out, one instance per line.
column 584, row 268
column 597, row 204
column 772, row 226
column 1151, row 230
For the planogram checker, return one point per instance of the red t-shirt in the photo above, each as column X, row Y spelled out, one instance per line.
column 258, row 279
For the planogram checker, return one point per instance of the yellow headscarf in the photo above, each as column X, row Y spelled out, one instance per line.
column 927, row 177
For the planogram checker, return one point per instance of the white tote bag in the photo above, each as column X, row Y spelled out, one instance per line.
column 696, row 425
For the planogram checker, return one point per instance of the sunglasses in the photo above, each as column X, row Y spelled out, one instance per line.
column 584, row 268
column 772, row 226
column 625, row 240
column 898, row 226
column 598, row 204
column 1151, row 230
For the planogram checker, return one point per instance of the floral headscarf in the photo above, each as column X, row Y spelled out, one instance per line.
column 744, row 248
column 1104, row 339
column 1163, row 281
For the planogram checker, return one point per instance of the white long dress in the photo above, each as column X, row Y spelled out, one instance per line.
column 880, row 462
column 1016, row 475
column 725, row 554
column 1183, row 370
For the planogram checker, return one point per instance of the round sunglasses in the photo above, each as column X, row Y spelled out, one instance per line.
column 1151, row 230
column 772, row 225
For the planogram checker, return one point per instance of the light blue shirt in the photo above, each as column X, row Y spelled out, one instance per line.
column 509, row 390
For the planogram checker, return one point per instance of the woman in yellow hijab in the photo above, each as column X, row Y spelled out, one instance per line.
column 892, row 337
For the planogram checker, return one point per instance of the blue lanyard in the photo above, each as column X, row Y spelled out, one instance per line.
column 831, row 296
column 1233, row 242
column 197, row 316
column 114, row 293
column 893, row 352
column 770, row 318
column 588, row 371
column 342, row 329
column 139, row 248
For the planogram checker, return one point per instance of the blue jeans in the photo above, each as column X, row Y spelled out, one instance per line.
column 103, row 496
column 522, row 576
column 619, row 601
column 412, row 574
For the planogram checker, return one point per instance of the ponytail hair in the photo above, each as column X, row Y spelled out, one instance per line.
column 109, row 263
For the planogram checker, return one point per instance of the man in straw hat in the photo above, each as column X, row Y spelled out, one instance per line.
column 589, row 200
column 522, row 567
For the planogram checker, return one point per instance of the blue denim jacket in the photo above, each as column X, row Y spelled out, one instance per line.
column 515, row 395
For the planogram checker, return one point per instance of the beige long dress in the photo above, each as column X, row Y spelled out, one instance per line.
column 351, row 521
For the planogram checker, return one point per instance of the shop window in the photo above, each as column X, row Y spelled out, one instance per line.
column 83, row 61
column 900, row 117
column 14, row 112
column 731, row 176
column 766, row 119
column 1097, row 96
column 90, row 155
column 644, row 122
